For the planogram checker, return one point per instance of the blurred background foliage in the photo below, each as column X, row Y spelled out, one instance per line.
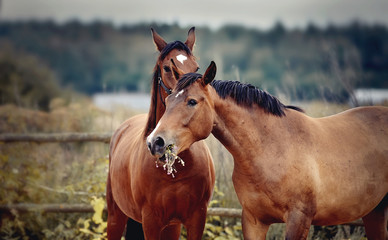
column 302, row 64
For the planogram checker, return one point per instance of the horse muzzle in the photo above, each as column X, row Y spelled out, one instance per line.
column 157, row 146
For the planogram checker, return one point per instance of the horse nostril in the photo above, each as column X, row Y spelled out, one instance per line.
column 159, row 142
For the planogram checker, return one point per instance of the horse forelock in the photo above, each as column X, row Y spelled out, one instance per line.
column 174, row 45
column 186, row 80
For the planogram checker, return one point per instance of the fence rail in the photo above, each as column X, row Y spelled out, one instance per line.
column 56, row 137
column 84, row 208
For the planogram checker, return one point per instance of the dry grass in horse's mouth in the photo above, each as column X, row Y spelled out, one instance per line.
column 169, row 159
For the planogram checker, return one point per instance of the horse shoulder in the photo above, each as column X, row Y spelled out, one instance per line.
column 126, row 142
column 129, row 125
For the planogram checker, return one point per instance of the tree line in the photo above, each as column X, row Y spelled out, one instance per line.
column 302, row 64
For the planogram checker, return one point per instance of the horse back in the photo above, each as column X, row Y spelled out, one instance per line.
column 358, row 136
column 374, row 117
column 362, row 124
column 369, row 125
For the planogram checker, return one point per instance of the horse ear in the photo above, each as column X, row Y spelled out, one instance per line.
column 190, row 39
column 176, row 72
column 209, row 74
column 158, row 40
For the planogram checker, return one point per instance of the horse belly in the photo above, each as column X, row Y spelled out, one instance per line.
column 353, row 193
column 342, row 211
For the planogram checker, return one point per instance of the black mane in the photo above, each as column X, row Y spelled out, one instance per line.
column 244, row 94
column 247, row 94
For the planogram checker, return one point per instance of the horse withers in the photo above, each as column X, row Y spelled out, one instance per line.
column 288, row 167
column 138, row 186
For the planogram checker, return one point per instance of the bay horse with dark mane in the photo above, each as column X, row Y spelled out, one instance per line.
column 288, row 167
column 137, row 186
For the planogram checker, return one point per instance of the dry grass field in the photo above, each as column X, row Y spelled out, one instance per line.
column 76, row 173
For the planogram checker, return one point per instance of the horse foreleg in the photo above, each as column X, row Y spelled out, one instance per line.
column 171, row 232
column 297, row 225
column 252, row 227
column 196, row 224
column 152, row 224
column 376, row 221
column 116, row 218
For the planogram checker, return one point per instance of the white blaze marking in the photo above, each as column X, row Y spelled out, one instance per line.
column 181, row 58
column 151, row 136
column 180, row 93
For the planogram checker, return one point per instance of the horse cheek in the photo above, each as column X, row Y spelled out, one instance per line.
column 186, row 117
column 203, row 124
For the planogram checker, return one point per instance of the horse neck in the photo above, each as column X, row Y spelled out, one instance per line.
column 243, row 130
column 157, row 107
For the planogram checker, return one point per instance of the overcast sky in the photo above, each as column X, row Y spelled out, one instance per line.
column 213, row 13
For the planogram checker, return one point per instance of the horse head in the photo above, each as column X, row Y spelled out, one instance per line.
column 189, row 113
column 180, row 52
column 163, row 81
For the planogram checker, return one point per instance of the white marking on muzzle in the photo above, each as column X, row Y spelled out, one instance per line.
column 151, row 136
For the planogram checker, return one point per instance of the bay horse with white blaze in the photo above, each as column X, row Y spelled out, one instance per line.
column 288, row 167
column 139, row 190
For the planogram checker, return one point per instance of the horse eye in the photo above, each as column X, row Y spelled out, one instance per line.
column 192, row 102
column 167, row 69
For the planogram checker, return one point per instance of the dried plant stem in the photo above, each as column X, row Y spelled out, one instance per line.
column 168, row 162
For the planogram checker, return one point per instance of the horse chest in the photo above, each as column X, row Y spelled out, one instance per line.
column 262, row 198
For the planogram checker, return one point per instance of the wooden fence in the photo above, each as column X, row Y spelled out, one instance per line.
column 56, row 137
column 83, row 208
